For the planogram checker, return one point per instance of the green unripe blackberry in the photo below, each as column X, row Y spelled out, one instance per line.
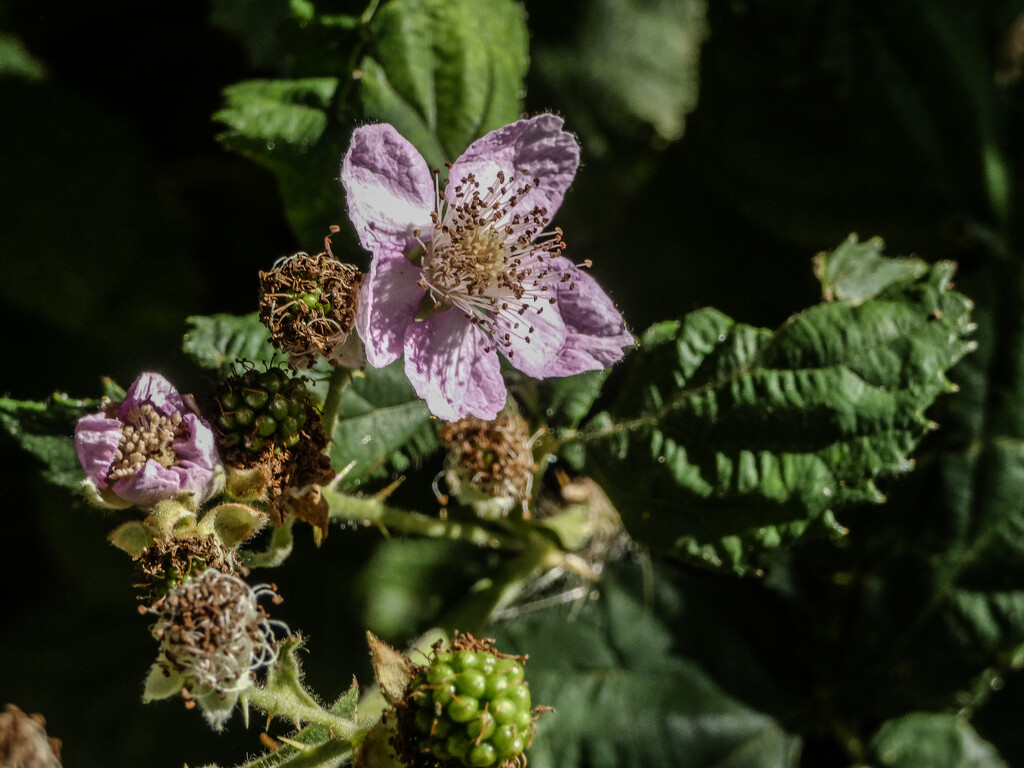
column 471, row 706
column 260, row 409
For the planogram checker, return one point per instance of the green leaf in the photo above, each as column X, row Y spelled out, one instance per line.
column 855, row 272
column 631, row 68
column 444, row 72
column 569, row 399
column 216, row 341
column 46, row 430
column 931, row 740
column 383, row 426
column 284, row 125
column 622, row 697
column 16, row 61
column 728, row 440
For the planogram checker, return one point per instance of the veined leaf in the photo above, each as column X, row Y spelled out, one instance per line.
column 622, row 697
column 46, row 430
column 932, row 740
column 285, row 126
column 727, row 440
column 444, row 72
column 383, row 426
column 216, row 341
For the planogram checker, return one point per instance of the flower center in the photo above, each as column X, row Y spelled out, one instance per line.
column 488, row 255
column 145, row 434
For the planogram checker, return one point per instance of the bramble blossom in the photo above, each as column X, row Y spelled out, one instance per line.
column 151, row 447
column 465, row 269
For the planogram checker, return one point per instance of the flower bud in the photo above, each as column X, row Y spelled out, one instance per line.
column 151, row 447
column 309, row 304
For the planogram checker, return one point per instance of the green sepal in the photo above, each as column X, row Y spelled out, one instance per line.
column 232, row 523
column 161, row 684
column 132, row 537
column 170, row 519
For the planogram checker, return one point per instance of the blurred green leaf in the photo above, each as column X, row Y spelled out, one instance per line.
column 622, row 697
column 217, row 341
column 46, row 430
column 408, row 582
column 16, row 61
column 384, row 427
column 284, row 125
column 444, row 72
column 932, row 740
column 728, row 440
column 631, row 68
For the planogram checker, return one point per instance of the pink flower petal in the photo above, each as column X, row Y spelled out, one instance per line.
column 152, row 483
column 448, row 367
column 154, row 389
column 531, row 149
column 596, row 334
column 96, row 440
column 388, row 302
column 390, row 190
column 534, row 340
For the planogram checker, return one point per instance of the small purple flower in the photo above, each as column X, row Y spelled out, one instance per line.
column 467, row 270
column 152, row 447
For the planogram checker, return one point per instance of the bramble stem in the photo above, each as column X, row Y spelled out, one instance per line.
column 290, row 707
column 372, row 511
column 340, row 377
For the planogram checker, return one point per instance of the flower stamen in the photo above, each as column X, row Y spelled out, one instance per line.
column 145, row 434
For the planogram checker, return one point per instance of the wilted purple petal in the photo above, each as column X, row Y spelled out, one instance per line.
column 389, row 188
column 534, row 149
column 447, row 362
column 388, row 303
column 154, row 389
column 96, row 439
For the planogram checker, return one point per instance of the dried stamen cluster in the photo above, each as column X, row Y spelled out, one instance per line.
column 167, row 562
column 494, row 457
column 213, row 633
column 23, row 741
column 489, row 258
column 309, row 304
column 145, row 434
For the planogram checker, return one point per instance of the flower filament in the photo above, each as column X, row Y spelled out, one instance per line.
column 488, row 255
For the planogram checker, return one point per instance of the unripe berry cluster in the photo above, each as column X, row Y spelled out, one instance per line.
column 262, row 408
column 472, row 706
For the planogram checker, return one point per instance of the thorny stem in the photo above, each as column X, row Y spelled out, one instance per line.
column 291, row 708
column 340, row 377
column 372, row 511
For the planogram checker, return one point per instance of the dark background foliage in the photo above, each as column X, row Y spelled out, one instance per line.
column 120, row 215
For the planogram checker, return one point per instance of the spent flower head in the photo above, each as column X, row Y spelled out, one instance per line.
column 490, row 461
column 309, row 304
column 23, row 741
column 466, row 269
column 214, row 637
column 151, row 447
